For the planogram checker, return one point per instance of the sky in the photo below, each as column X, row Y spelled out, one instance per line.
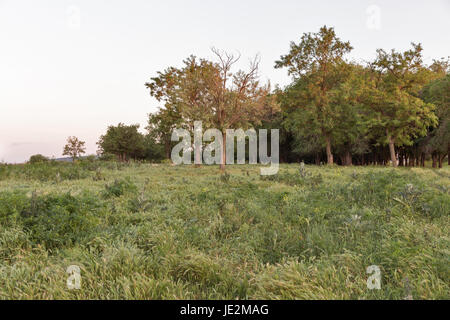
column 71, row 68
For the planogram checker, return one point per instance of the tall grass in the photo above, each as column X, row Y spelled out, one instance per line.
column 143, row 231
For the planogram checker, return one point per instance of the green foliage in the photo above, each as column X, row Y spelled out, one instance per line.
column 74, row 148
column 90, row 158
column 392, row 96
column 316, row 52
column 354, row 110
column 211, row 92
column 59, row 220
column 107, row 157
column 171, row 233
column 46, row 171
column 119, row 188
column 321, row 101
column 54, row 171
column 153, row 150
column 50, row 220
column 438, row 93
column 140, row 203
column 123, row 141
column 37, row 158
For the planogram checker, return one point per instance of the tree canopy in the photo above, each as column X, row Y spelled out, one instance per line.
column 392, row 110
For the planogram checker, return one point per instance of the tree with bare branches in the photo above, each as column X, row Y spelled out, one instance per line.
column 212, row 93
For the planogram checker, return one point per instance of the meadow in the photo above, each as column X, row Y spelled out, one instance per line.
column 154, row 231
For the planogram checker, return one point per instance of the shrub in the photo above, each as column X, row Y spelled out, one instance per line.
column 37, row 158
column 90, row 158
column 11, row 204
column 107, row 157
column 57, row 220
column 119, row 187
column 140, row 203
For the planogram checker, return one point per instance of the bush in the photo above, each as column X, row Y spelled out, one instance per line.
column 58, row 220
column 4, row 171
column 48, row 171
column 306, row 233
column 90, row 158
column 37, row 158
column 118, row 188
column 11, row 204
column 108, row 157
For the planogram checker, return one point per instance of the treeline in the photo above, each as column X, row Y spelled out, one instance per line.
column 394, row 110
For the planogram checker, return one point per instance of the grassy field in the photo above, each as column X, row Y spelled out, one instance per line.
column 143, row 231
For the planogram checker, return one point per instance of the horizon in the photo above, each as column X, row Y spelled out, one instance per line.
column 72, row 68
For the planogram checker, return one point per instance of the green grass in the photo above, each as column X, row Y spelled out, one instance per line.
column 144, row 231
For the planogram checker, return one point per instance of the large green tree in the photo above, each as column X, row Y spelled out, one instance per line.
column 160, row 127
column 392, row 96
column 343, row 118
column 438, row 93
column 123, row 141
column 317, row 58
column 164, row 88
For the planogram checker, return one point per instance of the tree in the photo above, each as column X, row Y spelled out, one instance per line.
column 37, row 158
column 74, row 148
column 161, row 124
column 349, row 130
column 315, row 58
column 212, row 93
column 392, row 96
column 160, row 127
column 343, row 118
column 438, row 93
column 153, row 150
column 123, row 141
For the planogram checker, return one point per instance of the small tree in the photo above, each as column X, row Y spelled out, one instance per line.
column 165, row 120
column 37, row 158
column 74, row 148
column 392, row 96
column 438, row 93
column 123, row 141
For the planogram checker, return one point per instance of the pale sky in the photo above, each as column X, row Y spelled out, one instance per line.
column 75, row 67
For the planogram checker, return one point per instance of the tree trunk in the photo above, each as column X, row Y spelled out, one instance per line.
column 224, row 148
column 434, row 157
column 167, row 148
column 328, row 147
column 441, row 159
column 317, row 159
column 348, row 158
column 197, row 156
column 392, row 151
